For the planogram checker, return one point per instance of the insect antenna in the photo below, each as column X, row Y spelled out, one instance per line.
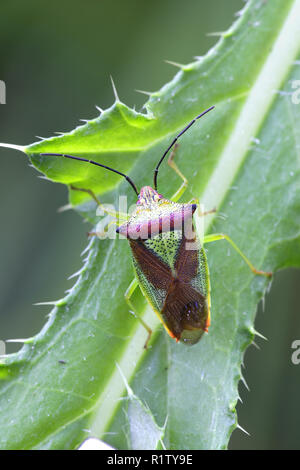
column 93, row 163
column 174, row 141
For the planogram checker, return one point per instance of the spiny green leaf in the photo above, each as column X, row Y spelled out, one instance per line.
column 242, row 158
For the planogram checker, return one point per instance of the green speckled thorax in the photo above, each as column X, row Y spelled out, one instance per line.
column 170, row 264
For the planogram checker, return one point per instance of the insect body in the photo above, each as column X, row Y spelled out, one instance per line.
column 170, row 264
column 168, row 258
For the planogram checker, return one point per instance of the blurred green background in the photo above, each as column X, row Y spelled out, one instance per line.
column 56, row 59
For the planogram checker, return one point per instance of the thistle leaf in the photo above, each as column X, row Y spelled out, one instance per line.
column 243, row 158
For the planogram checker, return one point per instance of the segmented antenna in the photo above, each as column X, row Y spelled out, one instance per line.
column 123, row 174
column 174, row 141
column 93, row 163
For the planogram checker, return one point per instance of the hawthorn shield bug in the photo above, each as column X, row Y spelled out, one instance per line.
column 169, row 260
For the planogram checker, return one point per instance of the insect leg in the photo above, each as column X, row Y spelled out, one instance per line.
column 177, row 195
column 120, row 215
column 198, row 217
column 199, row 212
column 222, row 236
column 104, row 232
column 128, row 294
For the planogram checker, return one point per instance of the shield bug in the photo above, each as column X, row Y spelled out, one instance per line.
column 168, row 257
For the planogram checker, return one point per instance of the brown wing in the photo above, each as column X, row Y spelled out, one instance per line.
column 156, row 271
column 185, row 308
column 187, row 262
